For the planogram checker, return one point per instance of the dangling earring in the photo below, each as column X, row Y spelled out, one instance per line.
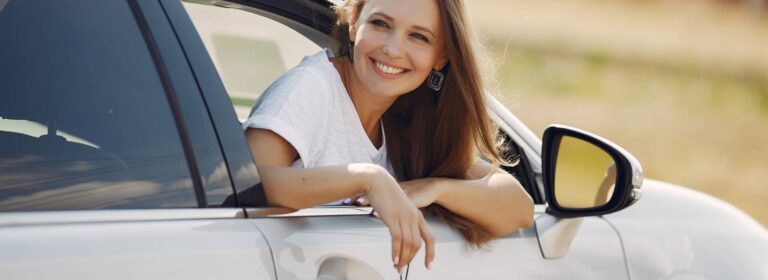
column 350, row 52
column 435, row 80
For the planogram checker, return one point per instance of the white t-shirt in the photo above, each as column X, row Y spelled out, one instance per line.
column 310, row 108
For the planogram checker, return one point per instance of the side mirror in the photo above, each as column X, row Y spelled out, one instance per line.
column 586, row 175
column 583, row 175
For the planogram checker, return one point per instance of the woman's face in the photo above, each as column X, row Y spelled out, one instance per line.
column 397, row 43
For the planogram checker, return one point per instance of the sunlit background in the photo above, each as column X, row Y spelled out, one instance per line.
column 683, row 85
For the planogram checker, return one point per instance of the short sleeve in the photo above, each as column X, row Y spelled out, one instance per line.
column 295, row 107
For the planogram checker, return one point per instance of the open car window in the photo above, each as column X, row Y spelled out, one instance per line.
column 249, row 50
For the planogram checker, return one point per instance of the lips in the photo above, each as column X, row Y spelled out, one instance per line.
column 387, row 69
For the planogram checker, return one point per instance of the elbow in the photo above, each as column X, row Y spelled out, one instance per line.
column 526, row 219
column 523, row 218
column 526, row 222
column 515, row 225
column 522, row 208
column 521, row 223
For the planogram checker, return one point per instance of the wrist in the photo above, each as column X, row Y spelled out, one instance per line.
column 442, row 188
column 365, row 174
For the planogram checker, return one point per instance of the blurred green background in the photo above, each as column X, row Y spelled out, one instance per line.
column 683, row 85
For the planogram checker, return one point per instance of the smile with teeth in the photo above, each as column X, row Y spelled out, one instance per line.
column 388, row 69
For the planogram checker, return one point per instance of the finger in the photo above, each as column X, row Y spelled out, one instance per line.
column 413, row 242
column 406, row 246
column 429, row 243
column 396, row 234
column 415, row 236
column 362, row 201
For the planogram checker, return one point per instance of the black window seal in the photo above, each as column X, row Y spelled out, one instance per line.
column 205, row 102
column 170, row 94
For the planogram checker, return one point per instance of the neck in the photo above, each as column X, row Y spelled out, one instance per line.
column 370, row 107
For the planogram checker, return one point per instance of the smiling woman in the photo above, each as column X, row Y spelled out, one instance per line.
column 397, row 116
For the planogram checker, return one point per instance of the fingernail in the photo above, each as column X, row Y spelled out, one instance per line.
column 429, row 266
column 360, row 200
column 401, row 270
column 347, row 201
column 397, row 260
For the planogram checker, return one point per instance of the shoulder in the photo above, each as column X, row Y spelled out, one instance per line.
column 310, row 83
column 310, row 72
column 298, row 105
column 314, row 78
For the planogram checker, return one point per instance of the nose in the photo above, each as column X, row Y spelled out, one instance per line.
column 393, row 46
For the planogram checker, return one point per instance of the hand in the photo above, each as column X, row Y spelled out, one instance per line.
column 422, row 192
column 358, row 200
column 405, row 222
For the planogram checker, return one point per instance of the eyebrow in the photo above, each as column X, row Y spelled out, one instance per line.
column 417, row 27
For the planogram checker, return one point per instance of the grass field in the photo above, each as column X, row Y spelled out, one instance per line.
column 690, row 103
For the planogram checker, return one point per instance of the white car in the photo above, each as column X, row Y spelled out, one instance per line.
column 122, row 157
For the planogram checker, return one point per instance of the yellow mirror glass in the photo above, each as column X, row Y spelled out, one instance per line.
column 585, row 175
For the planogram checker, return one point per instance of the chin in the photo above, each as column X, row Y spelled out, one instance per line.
column 388, row 93
column 392, row 90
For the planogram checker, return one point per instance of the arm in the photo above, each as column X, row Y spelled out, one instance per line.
column 299, row 188
column 490, row 197
column 306, row 187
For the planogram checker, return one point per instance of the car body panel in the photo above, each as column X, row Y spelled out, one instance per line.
column 340, row 243
column 596, row 253
column 679, row 233
column 133, row 244
column 305, row 243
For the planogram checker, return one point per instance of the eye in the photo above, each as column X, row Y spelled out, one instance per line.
column 379, row 23
column 421, row 37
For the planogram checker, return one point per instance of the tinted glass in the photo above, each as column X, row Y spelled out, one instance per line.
column 84, row 120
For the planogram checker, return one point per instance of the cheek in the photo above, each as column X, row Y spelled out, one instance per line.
column 367, row 40
column 423, row 59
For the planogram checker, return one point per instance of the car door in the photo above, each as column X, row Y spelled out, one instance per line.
column 329, row 242
column 107, row 153
column 345, row 242
column 594, row 252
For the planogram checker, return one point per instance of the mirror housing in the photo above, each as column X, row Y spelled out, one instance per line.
column 628, row 173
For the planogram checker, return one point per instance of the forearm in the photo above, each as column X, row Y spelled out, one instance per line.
column 496, row 202
column 299, row 188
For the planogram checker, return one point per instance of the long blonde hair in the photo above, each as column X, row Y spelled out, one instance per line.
column 433, row 134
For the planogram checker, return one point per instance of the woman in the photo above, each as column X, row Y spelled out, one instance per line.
column 399, row 118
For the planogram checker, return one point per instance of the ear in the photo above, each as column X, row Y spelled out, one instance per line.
column 353, row 29
column 441, row 62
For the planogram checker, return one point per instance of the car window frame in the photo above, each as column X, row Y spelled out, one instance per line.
column 313, row 20
column 183, row 94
